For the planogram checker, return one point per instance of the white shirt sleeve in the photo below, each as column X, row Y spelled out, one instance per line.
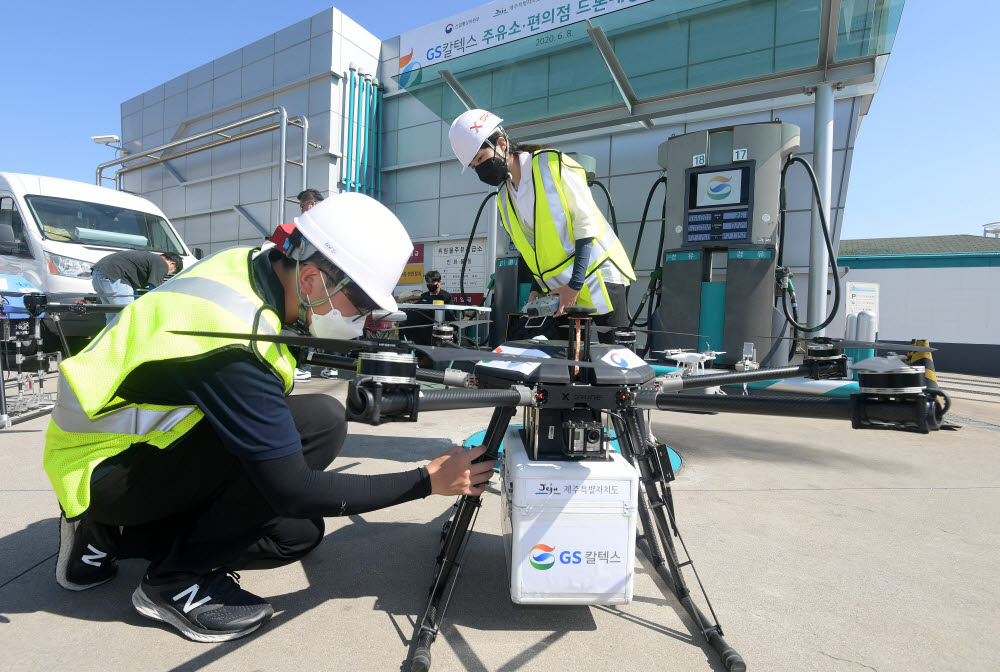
column 580, row 206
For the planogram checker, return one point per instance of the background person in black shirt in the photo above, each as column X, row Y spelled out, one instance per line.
column 424, row 320
column 118, row 276
column 434, row 291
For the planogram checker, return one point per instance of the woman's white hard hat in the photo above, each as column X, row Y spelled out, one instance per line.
column 468, row 133
column 363, row 238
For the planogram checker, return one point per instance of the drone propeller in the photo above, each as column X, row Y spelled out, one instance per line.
column 462, row 324
column 51, row 295
column 844, row 343
column 606, row 329
column 459, row 324
column 434, row 353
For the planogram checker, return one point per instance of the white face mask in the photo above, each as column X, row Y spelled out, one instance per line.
column 334, row 324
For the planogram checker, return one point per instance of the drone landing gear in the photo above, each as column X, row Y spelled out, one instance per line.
column 656, row 513
column 455, row 541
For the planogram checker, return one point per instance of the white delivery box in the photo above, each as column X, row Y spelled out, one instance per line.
column 568, row 527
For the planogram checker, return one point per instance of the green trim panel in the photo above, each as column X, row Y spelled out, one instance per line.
column 681, row 256
column 750, row 254
column 970, row 260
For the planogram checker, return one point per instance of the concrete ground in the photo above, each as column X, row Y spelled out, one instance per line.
column 823, row 548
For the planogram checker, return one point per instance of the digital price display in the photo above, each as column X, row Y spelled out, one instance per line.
column 719, row 205
column 719, row 225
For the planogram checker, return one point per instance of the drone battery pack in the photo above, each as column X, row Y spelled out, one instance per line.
column 568, row 527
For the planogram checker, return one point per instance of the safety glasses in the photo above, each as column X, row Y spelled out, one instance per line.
column 362, row 304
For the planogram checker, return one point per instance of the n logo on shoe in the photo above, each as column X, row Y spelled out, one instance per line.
column 191, row 592
column 95, row 556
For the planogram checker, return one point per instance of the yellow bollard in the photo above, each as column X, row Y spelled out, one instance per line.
column 925, row 360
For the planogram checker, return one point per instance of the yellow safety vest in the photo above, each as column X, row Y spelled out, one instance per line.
column 90, row 423
column 550, row 249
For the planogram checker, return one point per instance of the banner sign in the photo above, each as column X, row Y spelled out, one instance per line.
column 448, row 258
column 413, row 274
column 491, row 25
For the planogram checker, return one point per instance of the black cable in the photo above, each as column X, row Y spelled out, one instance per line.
column 656, row 289
column 468, row 246
column 826, row 237
column 638, row 243
column 659, row 248
column 611, row 205
column 645, row 212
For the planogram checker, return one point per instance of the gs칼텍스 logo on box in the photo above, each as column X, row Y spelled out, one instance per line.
column 541, row 557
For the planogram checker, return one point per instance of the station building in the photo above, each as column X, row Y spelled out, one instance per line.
column 609, row 79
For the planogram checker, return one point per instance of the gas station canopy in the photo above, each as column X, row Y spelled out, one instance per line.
column 573, row 65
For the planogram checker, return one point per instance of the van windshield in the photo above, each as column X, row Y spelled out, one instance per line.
column 69, row 221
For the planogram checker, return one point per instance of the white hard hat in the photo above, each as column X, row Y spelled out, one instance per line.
column 363, row 238
column 469, row 131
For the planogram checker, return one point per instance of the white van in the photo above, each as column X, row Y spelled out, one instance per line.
column 52, row 231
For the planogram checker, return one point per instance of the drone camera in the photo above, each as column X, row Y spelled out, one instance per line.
column 585, row 440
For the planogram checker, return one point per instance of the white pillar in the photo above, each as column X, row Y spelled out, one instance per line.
column 819, row 266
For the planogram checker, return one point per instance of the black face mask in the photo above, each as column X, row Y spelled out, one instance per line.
column 432, row 288
column 493, row 171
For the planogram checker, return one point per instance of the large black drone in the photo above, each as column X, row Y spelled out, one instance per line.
column 573, row 388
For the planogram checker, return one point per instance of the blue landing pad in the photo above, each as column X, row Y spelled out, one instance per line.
column 477, row 439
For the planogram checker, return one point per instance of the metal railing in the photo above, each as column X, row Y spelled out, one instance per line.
column 156, row 155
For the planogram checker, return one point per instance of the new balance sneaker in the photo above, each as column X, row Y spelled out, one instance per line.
column 87, row 553
column 209, row 608
column 302, row 375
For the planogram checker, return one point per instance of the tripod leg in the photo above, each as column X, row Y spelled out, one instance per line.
column 657, row 516
column 452, row 550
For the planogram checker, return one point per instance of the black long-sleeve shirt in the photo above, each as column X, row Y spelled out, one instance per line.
column 245, row 405
column 139, row 269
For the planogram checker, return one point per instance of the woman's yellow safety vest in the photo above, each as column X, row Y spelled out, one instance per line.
column 90, row 423
column 550, row 249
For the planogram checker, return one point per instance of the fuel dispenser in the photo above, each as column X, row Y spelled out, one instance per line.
column 721, row 240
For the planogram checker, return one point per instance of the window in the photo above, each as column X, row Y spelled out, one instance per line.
column 86, row 223
column 12, row 241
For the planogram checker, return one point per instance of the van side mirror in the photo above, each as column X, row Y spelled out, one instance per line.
column 198, row 253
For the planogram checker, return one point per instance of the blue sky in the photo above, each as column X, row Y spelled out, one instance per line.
column 922, row 162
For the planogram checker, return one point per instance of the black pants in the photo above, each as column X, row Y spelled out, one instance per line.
column 192, row 508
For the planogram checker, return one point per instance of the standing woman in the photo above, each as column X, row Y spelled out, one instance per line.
column 550, row 215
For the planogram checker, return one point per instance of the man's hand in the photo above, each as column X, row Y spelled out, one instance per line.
column 567, row 297
column 454, row 473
